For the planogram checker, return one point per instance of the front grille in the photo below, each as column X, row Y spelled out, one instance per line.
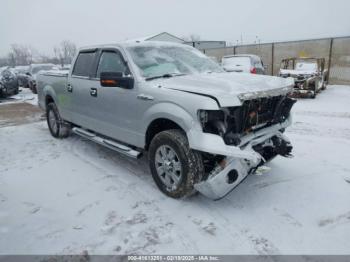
column 257, row 114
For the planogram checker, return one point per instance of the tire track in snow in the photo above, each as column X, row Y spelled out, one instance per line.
column 122, row 186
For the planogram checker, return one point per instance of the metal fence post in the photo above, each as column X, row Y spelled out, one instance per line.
column 272, row 57
column 330, row 58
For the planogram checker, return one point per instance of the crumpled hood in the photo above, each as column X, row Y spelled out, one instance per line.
column 229, row 89
column 297, row 72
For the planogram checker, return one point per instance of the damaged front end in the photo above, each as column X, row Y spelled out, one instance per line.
column 305, row 85
column 252, row 135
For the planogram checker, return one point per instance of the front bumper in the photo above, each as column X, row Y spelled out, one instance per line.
column 214, row 144
column 223, row 181
column 240, row 161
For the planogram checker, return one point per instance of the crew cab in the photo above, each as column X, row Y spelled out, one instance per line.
column 202, row 128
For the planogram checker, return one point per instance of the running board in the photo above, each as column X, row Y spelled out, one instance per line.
column 123, row 149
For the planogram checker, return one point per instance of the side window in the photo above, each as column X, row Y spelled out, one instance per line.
column 111, row 62
column 83, row 64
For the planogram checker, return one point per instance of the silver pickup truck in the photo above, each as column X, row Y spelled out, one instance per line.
column 203, row 129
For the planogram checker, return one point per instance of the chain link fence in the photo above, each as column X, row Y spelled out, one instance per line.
column 336, row 51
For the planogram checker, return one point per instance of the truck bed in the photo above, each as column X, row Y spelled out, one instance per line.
column 56, row 80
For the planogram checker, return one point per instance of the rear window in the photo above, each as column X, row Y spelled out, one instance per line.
column 257, row 63
column 83, row 64
column 236, row 61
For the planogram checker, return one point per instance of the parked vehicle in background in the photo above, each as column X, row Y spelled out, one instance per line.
column 34, row 69
column 65, row 67
column 22, row 76
column 214, row 58
column 3, row 68
column 8, row 83
column 204, row 129
column 243, row 63
column 310, row 75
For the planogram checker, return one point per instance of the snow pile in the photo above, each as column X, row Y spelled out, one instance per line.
column 66, row 196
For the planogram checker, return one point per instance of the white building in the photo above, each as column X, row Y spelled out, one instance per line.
column 201, row 45
column 163, row 37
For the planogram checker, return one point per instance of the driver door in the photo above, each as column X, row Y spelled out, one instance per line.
column 114, row 107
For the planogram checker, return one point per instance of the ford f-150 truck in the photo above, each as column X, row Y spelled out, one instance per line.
column 203, row 129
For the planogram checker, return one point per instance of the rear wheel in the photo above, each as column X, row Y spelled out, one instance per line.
column 57, row 127
column 4, row 92
column 324, row 84
column 175, row 167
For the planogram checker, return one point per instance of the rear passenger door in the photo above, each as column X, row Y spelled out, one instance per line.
column 78, row 89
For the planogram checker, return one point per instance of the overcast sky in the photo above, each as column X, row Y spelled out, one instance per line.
column 43, row 24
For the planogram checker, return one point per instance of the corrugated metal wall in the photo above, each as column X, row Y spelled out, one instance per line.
column 340, row 61
column 337, row 50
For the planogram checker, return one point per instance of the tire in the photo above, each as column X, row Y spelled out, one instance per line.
column 186, row 165
column 34, row 90
column 57, row 127
column 5, row 93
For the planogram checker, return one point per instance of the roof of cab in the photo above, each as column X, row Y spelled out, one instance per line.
column 132, row 43
column 242, row 55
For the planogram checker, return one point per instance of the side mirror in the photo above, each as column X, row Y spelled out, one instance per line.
column 28, row 74
column 116, row 79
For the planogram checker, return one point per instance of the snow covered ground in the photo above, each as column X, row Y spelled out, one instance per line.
column 25, row 95
column 67, row 196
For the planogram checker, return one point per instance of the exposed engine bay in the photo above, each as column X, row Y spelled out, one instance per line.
column 233, row 123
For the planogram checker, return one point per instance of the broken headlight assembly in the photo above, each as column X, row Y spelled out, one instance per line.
column 232, row 123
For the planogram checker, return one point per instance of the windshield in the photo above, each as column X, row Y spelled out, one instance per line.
column 306, row 66
column 36, row 69
column 156, row 61
column 236, row 61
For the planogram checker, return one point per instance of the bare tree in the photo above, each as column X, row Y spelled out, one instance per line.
column 4, row 61
column 65, row 52
column 58, row 55
column 20, row 55
column 192, row 38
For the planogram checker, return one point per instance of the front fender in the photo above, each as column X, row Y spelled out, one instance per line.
column 171, row 112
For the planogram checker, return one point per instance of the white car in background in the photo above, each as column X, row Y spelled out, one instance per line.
column 243, row 63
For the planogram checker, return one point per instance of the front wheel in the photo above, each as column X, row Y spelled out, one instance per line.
column 57, row 127
column 175, row 167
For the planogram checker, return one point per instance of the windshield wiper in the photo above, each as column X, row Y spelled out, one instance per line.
column 163, row 76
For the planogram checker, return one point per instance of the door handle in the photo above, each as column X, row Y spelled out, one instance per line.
column 93, row 91
column 69, row 88
column 145, row 97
